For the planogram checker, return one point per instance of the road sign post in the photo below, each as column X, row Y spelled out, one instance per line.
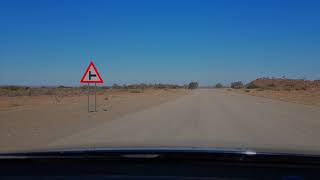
column 88, row 97
column 92, row 75
column 95, row 97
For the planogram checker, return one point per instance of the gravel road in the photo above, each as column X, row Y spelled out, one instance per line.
column 209, row 118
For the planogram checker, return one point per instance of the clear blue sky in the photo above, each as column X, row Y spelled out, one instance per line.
column 51, row 42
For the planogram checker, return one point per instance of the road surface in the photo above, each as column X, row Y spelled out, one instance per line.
column 210, row 118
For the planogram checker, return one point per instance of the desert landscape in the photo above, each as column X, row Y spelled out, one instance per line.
column 35, row 118
column 290, row 90
column 50, row 113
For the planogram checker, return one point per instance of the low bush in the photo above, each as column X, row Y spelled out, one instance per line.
column 237, row 85
column 218, row 85
column 193, row 85
column 251, row 86
column 136, row 90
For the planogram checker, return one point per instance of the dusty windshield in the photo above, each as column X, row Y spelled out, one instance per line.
column 156, row 74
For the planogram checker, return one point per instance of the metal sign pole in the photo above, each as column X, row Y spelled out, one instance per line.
column 95, row 97
column 88, row 97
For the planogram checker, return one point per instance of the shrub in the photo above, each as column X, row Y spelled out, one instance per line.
column 237, row 85
column 136, row 91
column 251, row 85
column 13, row 88
column 193, row 85
column 219, row 85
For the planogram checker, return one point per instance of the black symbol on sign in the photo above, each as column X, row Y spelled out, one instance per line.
column 91, row 75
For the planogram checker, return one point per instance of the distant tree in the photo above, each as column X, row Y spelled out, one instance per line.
column 193, row 85
column 237, row 85
column 218, row 85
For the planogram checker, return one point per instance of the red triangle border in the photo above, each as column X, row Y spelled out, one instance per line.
column 87, row 70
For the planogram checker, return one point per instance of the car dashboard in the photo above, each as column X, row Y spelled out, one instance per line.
column 157, row 164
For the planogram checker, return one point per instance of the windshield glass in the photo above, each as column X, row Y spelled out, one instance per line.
column 160, row 74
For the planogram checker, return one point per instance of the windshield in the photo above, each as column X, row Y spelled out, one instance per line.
column 160, row 74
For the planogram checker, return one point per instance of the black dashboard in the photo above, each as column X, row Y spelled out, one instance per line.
column 158, row 164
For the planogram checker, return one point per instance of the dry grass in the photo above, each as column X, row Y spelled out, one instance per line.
column 61, row 91
column 16, row 97
column 12, row 91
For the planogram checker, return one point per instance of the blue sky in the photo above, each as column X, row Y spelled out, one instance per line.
column 51, row 42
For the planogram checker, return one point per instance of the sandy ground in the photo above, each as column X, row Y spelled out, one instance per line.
column 30, row 121
column 307, row 97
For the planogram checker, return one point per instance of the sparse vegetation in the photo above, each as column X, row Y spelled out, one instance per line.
column 291, row 90
column 116, row 86
column 15, row 88
column 251, row 86
column 284, row 84
column 136, row 90
column 13, row 91
column 148, row 86
column 60, row 91
column 193, row 85
column 237, row 85
column 218, row 85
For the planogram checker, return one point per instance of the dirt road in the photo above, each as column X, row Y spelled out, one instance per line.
column 205, row 118
column 210, row 118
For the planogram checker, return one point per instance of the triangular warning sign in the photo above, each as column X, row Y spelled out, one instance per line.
column 91, row 75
